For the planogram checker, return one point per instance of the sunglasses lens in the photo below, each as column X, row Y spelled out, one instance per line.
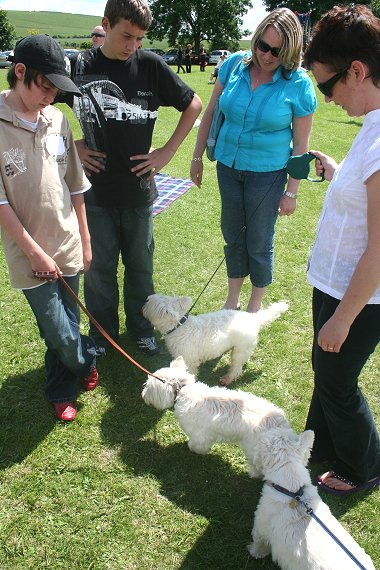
column 264, row 47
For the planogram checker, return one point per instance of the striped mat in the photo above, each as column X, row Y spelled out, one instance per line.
column 169, row 189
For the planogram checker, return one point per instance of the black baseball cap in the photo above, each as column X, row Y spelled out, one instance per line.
column 43, row 53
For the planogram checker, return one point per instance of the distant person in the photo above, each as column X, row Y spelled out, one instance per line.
column 180, row 59
column 215, row 72
column 98, row 36
column 188, row 54
column 42, row 214
column 124, row 88
column 202, row 59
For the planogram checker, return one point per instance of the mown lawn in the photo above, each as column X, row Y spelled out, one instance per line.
column 118, row 488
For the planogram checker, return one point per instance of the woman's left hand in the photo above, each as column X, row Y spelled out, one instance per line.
column 332, row 335
column 287, row 206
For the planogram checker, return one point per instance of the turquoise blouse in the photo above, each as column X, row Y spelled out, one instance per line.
column 257, row 132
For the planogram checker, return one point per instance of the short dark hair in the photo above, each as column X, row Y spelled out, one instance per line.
column 343, row 34
column 31, row 76
column 135, row 11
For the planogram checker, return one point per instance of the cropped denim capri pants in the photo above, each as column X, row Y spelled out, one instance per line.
column 250, row 202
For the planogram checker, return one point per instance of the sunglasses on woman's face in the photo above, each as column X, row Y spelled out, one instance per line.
column 264, row 47
column 95, row 35
column 327, row 87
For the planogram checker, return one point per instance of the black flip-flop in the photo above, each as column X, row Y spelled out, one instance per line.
column 355, row 487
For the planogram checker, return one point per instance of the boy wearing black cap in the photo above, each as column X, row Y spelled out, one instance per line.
column 42, row 215
column 123, row 87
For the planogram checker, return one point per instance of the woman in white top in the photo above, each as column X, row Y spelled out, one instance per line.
column 344, row 266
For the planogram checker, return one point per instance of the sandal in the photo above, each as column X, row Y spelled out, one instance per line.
column 354, row 487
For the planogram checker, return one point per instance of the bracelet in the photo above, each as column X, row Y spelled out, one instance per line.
column 197, row 158
column 290, row 194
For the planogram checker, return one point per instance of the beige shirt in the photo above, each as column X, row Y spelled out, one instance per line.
column 39, row 172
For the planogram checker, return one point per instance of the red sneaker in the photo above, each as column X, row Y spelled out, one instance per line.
column 90, row 382
column 65, row 411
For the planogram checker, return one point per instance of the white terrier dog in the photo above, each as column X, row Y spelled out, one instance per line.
column 213, row 415
column 199, row 338
column 282, row 526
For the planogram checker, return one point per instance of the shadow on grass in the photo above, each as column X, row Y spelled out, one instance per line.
column 202, row 485
column 25, row 417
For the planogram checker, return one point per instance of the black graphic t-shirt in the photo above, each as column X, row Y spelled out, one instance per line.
column 117, row 114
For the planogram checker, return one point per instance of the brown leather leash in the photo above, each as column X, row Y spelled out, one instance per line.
column 104, row 332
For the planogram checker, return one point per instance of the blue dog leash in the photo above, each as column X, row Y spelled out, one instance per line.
column 297, row 496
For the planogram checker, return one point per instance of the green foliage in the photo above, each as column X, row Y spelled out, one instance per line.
column 375, row 7
column 316, row 7
column 118, row 489
column 197, row 22
column 7, row 32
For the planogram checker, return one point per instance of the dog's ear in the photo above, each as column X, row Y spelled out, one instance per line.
column 178, row 363
column 185, row 303
column 306, row 440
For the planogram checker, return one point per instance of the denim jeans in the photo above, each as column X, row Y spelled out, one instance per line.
column 339, row 414
column 250, row 202
column 69, row 354
column 128, row 231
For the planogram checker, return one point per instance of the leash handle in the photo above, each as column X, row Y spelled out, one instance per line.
column 102, row 331
column 298, row 167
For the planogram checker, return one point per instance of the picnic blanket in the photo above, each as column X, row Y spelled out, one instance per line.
column 169, row 189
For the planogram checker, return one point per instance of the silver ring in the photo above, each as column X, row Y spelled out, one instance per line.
column 330, row 347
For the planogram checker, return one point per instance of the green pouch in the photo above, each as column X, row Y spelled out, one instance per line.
column 299, row 167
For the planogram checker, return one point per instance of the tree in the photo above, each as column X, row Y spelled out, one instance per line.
column 316, row 7
column 196, row 21
column 7, row 32
column 375, row 7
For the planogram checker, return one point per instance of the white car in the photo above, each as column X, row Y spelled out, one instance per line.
column 215, row 55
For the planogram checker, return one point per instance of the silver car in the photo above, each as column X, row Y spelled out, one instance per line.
column 4, row 62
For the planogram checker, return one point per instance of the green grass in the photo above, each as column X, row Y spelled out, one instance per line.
column 118, row 488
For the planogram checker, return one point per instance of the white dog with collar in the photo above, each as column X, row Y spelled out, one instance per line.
column 199, row 338
column 282, row 526
column 211, row 415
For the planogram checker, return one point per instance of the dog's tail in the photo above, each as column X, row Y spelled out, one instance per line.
column 272, row 313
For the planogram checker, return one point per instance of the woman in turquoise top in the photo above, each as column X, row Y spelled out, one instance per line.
column 268, row 102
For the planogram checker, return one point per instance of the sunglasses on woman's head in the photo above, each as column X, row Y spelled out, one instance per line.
column 264, row 47
column 327, row 87
column 95, row 35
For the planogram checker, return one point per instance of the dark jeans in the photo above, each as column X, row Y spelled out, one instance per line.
column 250, row 200
column 339, row 414
column 128, row 232
column 69, row 354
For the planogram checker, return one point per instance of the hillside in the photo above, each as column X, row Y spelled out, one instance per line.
column 70, row 29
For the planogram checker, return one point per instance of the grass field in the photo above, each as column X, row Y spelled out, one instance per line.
column 118, row 488
column 70, row 28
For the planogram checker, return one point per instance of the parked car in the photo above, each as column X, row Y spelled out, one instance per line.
column 71, row 52
column 4, row 61
column 158, row 51
column 170, row 57
column 195, row 58
column 215, row 55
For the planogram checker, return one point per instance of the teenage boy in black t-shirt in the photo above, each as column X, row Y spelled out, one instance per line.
column 123, row 86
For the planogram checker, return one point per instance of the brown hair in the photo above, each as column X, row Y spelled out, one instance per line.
column 343, row 34
column 135, row 11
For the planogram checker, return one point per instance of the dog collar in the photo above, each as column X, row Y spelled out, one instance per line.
column 181, row 322
column 295, row 496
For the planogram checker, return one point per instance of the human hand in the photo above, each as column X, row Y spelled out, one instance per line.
column 333, row 334
column 87, row 255
column 92, row 160
column 152, row 162
column 44, row 268
column 287, row 206
column 196, row 171
column 324, row 163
